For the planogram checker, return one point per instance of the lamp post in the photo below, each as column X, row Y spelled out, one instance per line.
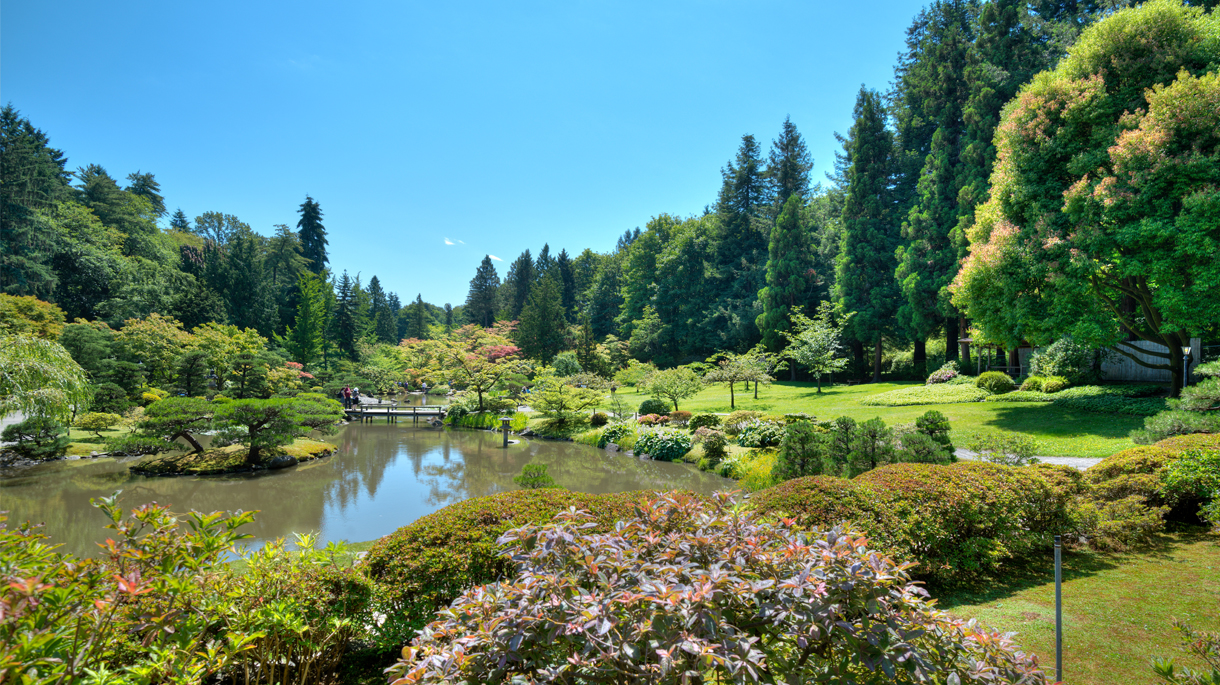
column 504, row 427
column 1186, row 352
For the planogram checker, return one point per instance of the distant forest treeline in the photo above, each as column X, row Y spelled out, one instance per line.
column 884, row 236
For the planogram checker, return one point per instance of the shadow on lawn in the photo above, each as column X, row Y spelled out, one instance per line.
column 1054, row 421
column 1076, row 565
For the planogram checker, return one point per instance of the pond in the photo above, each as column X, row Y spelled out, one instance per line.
column 382, row 477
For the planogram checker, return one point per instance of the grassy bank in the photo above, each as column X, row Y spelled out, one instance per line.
column 227, row 459
column 1117, row 608
column 1059, row 431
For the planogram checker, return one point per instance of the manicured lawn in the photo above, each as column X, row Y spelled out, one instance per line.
column 1117, row 609
column 1060, row 432
column 86, row 442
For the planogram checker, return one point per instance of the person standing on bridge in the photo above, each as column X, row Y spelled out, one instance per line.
column 347, row 397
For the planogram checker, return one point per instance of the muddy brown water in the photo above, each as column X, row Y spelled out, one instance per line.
column 381, row 477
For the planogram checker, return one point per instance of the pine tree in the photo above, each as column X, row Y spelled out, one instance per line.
column 417, row 326
column 540, row 333
column 567, row 279
column 146, row 186
column 864, row 271
column 313, row 235
column 398, row 325
column 790, row 275
column 179, row 222
column 519, row 281
column 544, row 263
column 933, row 87
column 345, row 318
column 448, row 318
column 32, row 178
column 743, row 191
column 481, row 299
column 586, row 346
column 385, row 318
column 248, row 296
column 789, row 166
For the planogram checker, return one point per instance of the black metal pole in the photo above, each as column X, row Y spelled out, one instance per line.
column 1058, row 611
column 504, row 425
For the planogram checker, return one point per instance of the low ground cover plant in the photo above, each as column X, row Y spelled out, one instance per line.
column 1196, row 411
column 1010, row 449
column 943, row 393
column 944, row 374
column 745, row 601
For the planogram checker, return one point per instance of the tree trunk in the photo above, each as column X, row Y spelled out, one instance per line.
column 819, row 384
column 952, row 333
column 857, row 349
column 921, row 359
column 189, row 438
column 877, row 361
column 732, row 399
column 1014, row 360
column 252, row 455
column 755, row 389
column 792, row 372
column 965, row 346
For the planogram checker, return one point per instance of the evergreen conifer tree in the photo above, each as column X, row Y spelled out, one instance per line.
column 397, row 325
column 179, row 222
column 864, row 270
column 313, row 235
column 541, row 331
column 448, row 318
column 567, row 278
column 146, row 186
column 305, row 340
column 544, row 262
column 520, row 279
column 481, row 299
column 790, row 275
column 789, row 166
column 32, row 178
column 417, row 323
column 346, row 317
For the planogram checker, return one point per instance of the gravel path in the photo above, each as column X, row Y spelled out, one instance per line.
column 1081, row 463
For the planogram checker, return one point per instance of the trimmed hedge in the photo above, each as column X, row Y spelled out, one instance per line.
column 961, row 522
column 424, row 566
column 942, row 393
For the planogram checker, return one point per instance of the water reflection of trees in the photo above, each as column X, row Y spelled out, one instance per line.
column 409, row 469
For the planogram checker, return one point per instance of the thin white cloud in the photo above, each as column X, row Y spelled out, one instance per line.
column 449, row 242
column 462, row 242
column 495, row 257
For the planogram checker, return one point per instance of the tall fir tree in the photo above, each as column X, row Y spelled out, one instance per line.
column 147, row 187
column 248, row 295
column 313, row 235
column 543, row 263
column 179, row 222
column 32, row 179
column 417, row 326
column 346, row 318
column 385, row 317
column 448, row 318
column 790, row 275
column 864, row 270
column 743, row 192
column 519, row 281
column 541, row 331
column 481, row 298
column 567, row 278
column 789, row 165
column 398, row 325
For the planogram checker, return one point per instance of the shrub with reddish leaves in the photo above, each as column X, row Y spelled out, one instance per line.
column 688, row 593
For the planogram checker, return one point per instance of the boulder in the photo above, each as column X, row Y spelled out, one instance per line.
column 282, row 462
column 611, row 447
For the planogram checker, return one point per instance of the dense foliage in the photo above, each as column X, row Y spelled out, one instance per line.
column 746, row 602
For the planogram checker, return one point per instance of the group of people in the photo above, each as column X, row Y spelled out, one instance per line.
column 350, row 396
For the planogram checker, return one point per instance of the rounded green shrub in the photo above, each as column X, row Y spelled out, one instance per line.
column 995, row 382
column 424, row 566
column 698, row 421
column 1054, row 384
column 663, row 444
column 735, row 421
column 799, row 454
column 653, row 406
column 715, row 447
column 37, row 437
column 1033, row 384
column 760, row 433
column 816, row 502
column 110, row 398
column 615, row 433
column 599, row 419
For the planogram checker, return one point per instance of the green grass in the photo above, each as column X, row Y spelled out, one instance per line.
column 86, row 442
column 1117, row 609
column 1060, row 431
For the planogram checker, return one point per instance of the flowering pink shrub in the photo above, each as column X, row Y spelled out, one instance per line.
column 944, row 374
column 652, row 419
column 495, row 352
column 692, row 592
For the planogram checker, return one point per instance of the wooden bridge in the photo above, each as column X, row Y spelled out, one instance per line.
column 367, row 413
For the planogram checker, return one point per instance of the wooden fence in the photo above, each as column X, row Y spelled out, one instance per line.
column 1120, row 368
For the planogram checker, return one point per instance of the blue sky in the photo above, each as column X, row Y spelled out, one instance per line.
column 500, row 125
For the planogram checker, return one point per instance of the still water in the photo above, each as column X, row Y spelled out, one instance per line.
column 381, row 477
